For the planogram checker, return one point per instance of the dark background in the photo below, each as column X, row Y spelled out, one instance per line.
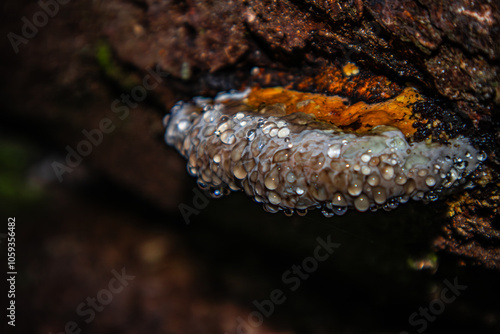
column 119, row 208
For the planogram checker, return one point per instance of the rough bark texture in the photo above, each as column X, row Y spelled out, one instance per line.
column 67, row 77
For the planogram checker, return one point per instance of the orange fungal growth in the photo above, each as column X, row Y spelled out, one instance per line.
column 342, row 82
column 298, row 162
column 350, row 69
column 359, row 117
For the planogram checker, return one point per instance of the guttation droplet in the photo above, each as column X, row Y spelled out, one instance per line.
column 228, row 137
column 183, row 125
column 251, row 135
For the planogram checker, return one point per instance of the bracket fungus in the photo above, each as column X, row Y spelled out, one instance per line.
column 295, row 151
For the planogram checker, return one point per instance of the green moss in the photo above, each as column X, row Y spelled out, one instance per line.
column 104, row 57
column 15, row 188
column 113, row 69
